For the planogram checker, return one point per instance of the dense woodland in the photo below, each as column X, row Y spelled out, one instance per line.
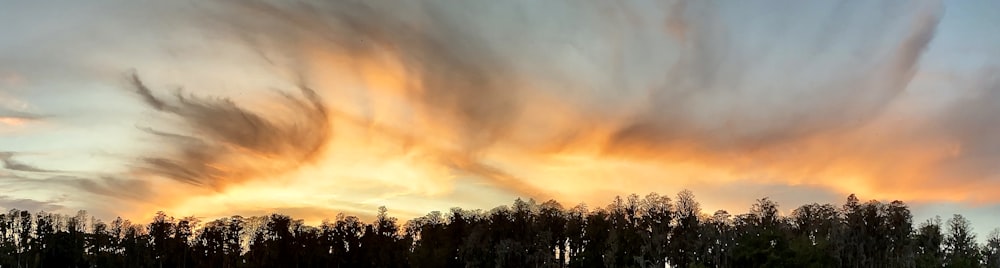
column 634, row 231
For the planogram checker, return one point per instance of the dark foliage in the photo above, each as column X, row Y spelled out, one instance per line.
column 650, row 231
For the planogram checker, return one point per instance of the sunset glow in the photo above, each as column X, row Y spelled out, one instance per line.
column 321, row 108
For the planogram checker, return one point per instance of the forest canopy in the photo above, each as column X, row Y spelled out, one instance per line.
column 648, row 231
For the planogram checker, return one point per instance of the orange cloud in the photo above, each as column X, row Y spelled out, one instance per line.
column 418, row 107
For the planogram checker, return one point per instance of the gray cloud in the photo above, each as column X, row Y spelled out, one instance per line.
column 132, row 189
column 719, row 81
column 20, row 115
column 723, row 78
column 732, row 92
column 28, row 204
column 973, row 123
column 69, row 193
column 218, row 130
column 452, row 75
column 720, row 78
column 98, row 185
column 12, row 164
column 463, row 79
column 473, row 63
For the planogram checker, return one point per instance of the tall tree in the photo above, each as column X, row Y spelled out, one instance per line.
column 235, row 233
column 25, row 241
column 161, row 232
column 382, row 244
column 719, row 236
column 685, row 242
column 8, row 241
column 991, row 250
column 856, row 234
column 960, row 245
column 433, row 246
column 629, row 232
column 815, row 235
column 899, row 228
column 551, row 226
column 927, row 242
column 657, row 215
column 763, row 242
column 576, row 225
column 624, row 241
column 209, row 245
column 183, row 234
column 876, row 244
column 595, row 240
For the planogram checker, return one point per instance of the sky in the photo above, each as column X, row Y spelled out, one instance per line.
column 313, row 108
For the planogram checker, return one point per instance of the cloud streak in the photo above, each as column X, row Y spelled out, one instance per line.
column 227, row 143
column 12, row 164
column 15, row 118
column 28, row 204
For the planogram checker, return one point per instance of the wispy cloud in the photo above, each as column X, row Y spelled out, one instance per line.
column 12, row 164
column 17, row 118
column 226, row 143
column 693, row 91
column 385, row 101
column 28, row 204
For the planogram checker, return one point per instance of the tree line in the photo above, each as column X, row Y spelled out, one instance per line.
column 649, row 231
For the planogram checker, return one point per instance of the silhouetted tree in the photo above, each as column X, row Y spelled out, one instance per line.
column 434, row 247
column 816, row 236
column 685, row 243
column 101, row 245
column 856, row 238
column 25, row 241
column 382, row 243
column 576, row 223
column 927, row 241
column 550, row 228
column 960, row 245
column 346, row 234
column 161, row 233
column 629, row 232
column 657, row 215
column 762, row 241
column 8, row 241
column 719, row 239
column 595, row 240
column 899, row 228
column 624, row 240
column 209, row 245
column 991, row 250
